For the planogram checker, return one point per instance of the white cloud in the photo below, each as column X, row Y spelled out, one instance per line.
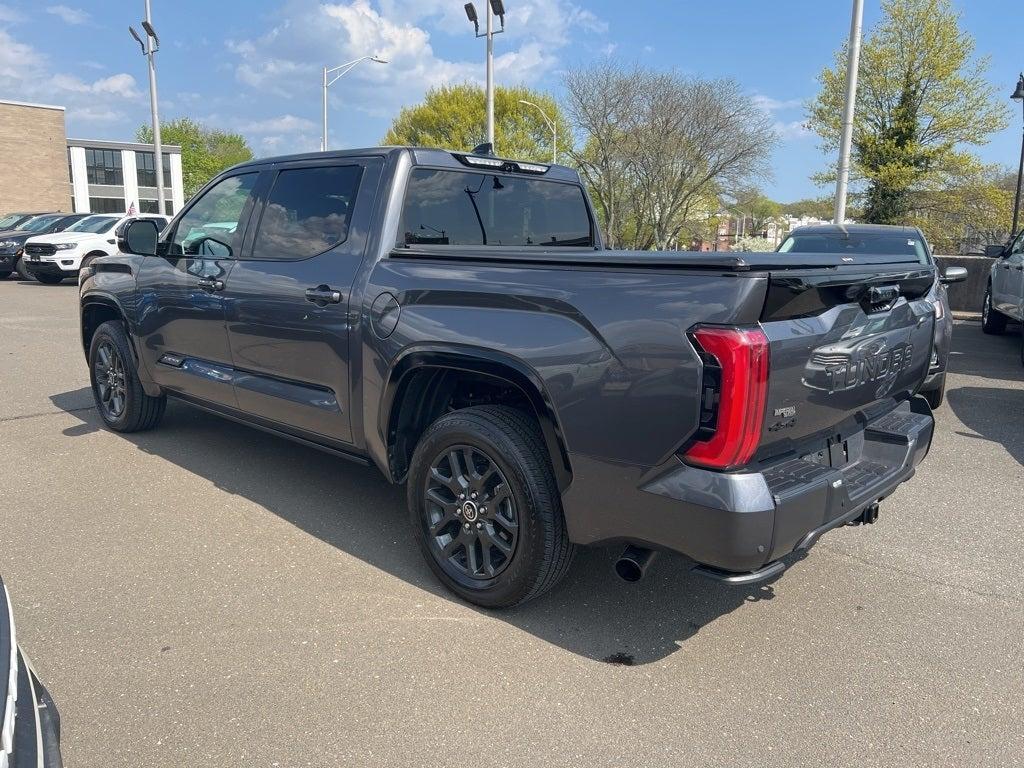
column 25, row 75
column 793, row 129
column 280, row 124
column 286, row 59
column 770, row 105
column 68, row 15
column 786, row 129
column 9, row 15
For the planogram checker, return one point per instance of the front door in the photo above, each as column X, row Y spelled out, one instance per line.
column 288, row 300
column 181, row 307
column 1008, row 280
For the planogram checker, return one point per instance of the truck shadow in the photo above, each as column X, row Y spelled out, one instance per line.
column 991, row 413
column 351, row 507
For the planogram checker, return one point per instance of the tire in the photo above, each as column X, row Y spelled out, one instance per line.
column 50, row 279
column 992, row 321
column 90, row 258
column 937, row 395
column 5, row 274
column 23, row 272
column 525, row 516
column 120, row 399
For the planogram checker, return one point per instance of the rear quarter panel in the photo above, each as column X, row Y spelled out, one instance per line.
column 609, row 346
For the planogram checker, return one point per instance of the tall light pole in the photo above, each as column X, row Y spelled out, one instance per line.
column 494, row 8
column 852, row 63
column 342, row 70
column 1018, row 95
column 149, row 49
column 551, row 125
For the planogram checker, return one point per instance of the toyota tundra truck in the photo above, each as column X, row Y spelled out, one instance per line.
column 454, row 319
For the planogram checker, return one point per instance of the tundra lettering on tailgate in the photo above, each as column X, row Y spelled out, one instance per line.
column 881, row 365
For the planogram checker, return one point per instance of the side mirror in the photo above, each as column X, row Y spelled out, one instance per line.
column 954, row 275
column 139, row 237
column 994, row 251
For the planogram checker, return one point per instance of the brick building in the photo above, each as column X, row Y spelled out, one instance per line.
column 42, row 170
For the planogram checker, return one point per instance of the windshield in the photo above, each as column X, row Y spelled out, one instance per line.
column 94, row 224
column 39, row 223
column 8, row 221
column 853, row 243
column 463, row 208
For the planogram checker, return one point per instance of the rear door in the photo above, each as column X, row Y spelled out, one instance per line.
column 289, row 301
column 180, row 292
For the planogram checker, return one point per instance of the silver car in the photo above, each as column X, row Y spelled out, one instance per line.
column 1004, row 294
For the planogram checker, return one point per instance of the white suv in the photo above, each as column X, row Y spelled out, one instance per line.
column 51, row 258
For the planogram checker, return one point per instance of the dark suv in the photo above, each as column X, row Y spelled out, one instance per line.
column 454, row 319
column 12, row 241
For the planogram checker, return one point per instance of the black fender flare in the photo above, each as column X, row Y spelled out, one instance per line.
column 486, row 362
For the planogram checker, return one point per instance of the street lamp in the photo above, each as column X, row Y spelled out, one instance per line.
column 495, row 8
column 845, row 142
column 551, row 125
column 1018, row 95
column 149, row 49
column 342, row 70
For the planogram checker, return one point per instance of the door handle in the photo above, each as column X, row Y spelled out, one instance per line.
column 211, row 285
column 323, row 295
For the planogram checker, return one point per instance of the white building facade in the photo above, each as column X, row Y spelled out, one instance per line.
column 113, row 176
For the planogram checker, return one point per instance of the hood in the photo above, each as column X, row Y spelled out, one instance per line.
column 66, row 237
column 17, row 235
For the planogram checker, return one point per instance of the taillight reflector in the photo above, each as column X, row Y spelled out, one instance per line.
column 742, row 354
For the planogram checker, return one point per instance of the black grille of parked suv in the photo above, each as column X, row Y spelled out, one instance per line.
column 40, row 249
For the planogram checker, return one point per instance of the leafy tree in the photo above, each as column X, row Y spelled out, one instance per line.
column 205, row 152
column 454, row 117
column 754, row 244
column 755, row 208
column 820, row 208
column 922, row 97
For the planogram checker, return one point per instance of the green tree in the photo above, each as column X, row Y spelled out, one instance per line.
column 454, row 117
column 756, row 209
column 922, row 100
column 205, row 152
column 819, row 208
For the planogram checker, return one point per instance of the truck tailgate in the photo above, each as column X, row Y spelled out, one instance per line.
column 845, row 346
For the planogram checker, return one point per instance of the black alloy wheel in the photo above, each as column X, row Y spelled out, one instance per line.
column 471, row 518
column 109, row 375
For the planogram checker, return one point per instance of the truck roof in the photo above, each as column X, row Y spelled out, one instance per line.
column 421, row 156
column 861, row 229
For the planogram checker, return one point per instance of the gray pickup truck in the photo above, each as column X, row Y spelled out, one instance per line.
column 454, row 319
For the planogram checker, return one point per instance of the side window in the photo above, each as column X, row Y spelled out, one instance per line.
column 1018, row 245
column 307, row 212
column 211, row 226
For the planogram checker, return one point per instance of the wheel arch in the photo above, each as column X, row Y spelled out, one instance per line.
column 422, row 382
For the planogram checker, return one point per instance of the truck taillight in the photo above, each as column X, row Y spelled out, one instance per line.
column 741, row 380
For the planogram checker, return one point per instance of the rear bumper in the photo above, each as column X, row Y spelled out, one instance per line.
column 738, row 526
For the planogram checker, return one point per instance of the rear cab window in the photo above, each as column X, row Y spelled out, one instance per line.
column 465, row 208
column 853, row 243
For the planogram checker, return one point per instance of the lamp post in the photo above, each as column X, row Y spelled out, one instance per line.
column 149, row 49
column 551, row 125
column 342, row 70
column 1018, row 95
column 852, row 63
column 494, row 8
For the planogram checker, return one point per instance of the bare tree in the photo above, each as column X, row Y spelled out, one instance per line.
column 657, row 146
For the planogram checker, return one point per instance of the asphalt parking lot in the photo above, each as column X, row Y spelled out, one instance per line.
column 209, row 595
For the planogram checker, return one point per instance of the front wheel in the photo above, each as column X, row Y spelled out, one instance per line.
column 120, row 399
column 50, row 279
column 485, row 507
column 23, row 272
column 992, row 321
column 4, row 274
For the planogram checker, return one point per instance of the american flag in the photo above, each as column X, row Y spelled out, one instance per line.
column 131, row 209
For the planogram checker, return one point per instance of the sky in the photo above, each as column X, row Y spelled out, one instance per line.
column 253, row 66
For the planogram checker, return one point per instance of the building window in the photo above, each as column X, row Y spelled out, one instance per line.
column 145, row 168
column 150, row 206
column 71, row 173
column 103, row 166
column 106, row 205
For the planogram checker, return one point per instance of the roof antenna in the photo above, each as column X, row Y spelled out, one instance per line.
column 483, row 149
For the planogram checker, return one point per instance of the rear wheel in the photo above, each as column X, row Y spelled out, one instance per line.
column 485, row 507
column 120, row 399
column 23, row 272
column 50, row 279
column 937, row 395
column 992, row 321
